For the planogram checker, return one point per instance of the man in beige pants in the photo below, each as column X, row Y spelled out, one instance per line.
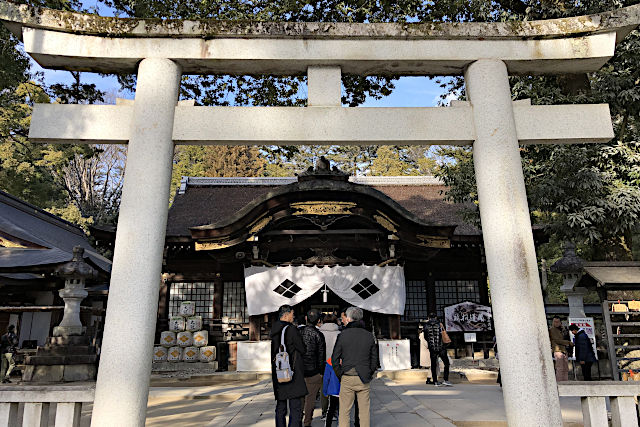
column 560, row 348
column 356, row 356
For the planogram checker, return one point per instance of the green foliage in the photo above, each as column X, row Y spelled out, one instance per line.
column 56, row 177
column 72, row 214
column 24, row 166
column 402, row 160
column 589, row 194
column 221, row 161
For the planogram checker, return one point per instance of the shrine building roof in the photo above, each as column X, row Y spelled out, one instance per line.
column 201, row 201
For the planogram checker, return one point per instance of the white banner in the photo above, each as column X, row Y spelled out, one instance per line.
column 373, row 288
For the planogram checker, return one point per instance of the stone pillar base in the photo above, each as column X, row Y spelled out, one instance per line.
column 62, row 359
column 59, row 373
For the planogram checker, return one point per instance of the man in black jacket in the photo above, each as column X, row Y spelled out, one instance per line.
column 584, row 351
column 437, row 349
column 314, row 360
column 356, row 357
column 290, row 393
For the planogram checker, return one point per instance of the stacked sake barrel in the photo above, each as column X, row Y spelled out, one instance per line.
column 185, row 340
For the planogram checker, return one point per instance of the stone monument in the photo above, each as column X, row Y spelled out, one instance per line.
column 570, row 266
column 68, row 354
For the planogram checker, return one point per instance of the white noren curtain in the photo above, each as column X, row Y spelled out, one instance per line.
column 268, row 288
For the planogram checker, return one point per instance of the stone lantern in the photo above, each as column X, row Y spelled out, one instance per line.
column 68, row 355
column 75, row 273
column 571, row 268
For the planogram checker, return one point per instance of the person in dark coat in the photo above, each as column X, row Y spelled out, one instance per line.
column 584, row 351
column 314, row 360
column 293, row 392
column 355, row 355
column 433, row 336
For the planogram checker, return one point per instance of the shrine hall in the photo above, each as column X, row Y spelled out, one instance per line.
column 241, row 247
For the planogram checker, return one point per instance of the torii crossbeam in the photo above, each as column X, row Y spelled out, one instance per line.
column 161, row 51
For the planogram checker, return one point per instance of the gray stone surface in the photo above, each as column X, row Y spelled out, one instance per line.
column 292, row 56
column 47, row 374
column 81, row 372
column 530, row 394
column 122, row 386
column 58, row 123
column 622, row 19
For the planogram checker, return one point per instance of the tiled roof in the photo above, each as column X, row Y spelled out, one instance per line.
column 202, row 201
column 53, row 237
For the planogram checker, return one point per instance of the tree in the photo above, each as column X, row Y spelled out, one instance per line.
column 65, row 179
column 24, row 166
column 221, row 161
column 233, row 160
column 585, row 193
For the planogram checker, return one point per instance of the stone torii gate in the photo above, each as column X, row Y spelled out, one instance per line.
column 161, row 51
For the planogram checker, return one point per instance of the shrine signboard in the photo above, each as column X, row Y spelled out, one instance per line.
column 467, row 317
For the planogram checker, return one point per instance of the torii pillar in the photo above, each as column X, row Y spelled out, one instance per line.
column 137, row 258
column 511, row 257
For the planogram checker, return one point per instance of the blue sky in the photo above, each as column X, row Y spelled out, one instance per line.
column 409, row 92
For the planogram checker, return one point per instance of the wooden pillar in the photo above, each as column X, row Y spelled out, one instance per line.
column 218, row 292
column 431, row 293
column 163, row 299
column 483, row 287
column 255, row 323
column 394, row 326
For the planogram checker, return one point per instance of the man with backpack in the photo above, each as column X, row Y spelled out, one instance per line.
column 287, row 368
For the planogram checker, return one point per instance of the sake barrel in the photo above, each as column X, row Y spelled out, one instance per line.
column 159, row 354
column 194, row 323
column 174, row 354
column 207, row 354
column 200, row 338
column 176, row 324
column 168, row 338
column 191, row 354
column 184, row 339
column 187, row 309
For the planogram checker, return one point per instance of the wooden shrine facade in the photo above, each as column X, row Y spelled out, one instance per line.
column 219, row 226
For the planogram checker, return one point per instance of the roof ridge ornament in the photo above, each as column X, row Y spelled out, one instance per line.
column 323, row 170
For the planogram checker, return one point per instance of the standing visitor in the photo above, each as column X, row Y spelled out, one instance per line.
column 331, row 385
column 289, row 393
column 314, row 361
column 343, row 319
column 584, row 351
column 8, row 344
column 355, row 356
column 343, row 324
column 433, row 332
column 559, row 346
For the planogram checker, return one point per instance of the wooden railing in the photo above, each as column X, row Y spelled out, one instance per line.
column 35, row 403
column 32, row 405
column 593, row 394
